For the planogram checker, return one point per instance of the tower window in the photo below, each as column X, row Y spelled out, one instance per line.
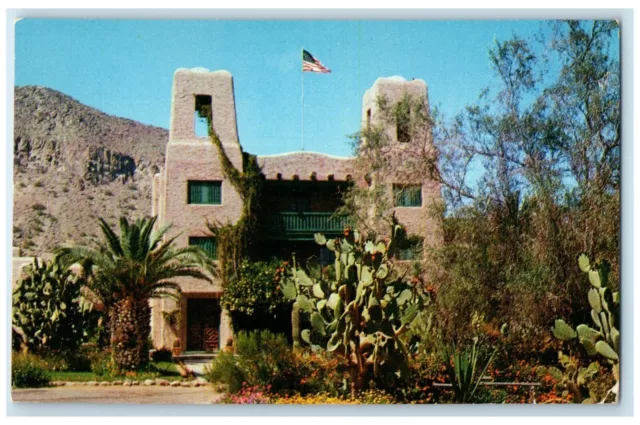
column 368, row 117
column 402, row 130
column 204, row 192
column 407, row 196
column 207, row 244
column 202, row 114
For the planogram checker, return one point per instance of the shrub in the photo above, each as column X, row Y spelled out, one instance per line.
column 101, row 363
column 254, row 300
column 162, row 355
column 320, row 373
column 38, row 207
column 263, row 359
column 225, row 369
column 63, row 361
column 28, row 371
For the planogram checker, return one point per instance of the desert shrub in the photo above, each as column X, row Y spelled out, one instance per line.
column 262, row 359
column 28, row 371
column 267, row 359
column 320, row 372
column 38, row 207
column 226, row 370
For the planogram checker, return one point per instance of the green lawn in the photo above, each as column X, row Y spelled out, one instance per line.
column 163, row 370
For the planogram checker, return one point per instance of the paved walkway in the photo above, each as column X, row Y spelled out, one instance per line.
column 116, row 395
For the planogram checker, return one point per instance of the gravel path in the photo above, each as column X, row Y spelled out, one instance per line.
column 116, row 395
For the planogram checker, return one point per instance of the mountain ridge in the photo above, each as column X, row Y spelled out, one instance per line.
column 73, row 163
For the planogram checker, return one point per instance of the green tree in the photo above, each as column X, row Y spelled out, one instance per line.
column 125, row 271
column 536, row 162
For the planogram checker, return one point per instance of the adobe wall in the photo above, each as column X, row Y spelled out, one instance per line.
column 306, row 166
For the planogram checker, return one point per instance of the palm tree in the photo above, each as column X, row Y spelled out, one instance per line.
column 125, row 271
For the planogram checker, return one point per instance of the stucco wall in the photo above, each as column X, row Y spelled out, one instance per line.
column 304, row 164
column 194, row 158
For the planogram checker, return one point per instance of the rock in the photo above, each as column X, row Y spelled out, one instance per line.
column 149, row 382
column 202, row 381
column 175, row 384
column 185, row 384
column 162, row 382
column 114, row 383
column 105, row 384
column 127, row 383
column 92, row 383
column 134, row 383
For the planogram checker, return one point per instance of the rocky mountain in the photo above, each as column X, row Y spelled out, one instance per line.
column 73, row 164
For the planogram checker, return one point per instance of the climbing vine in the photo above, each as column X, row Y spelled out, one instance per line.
column 235, row 241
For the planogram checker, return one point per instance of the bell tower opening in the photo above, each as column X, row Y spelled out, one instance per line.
column 202, row 114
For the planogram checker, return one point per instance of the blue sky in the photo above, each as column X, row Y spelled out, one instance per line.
column 125, row 68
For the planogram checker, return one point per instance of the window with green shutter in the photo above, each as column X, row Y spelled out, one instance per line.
column 207, row 244
column 205, row 192
column 407, row 196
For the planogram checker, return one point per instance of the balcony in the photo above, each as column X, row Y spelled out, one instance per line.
column 303, row 225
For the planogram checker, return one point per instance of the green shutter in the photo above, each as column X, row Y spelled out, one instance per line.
column 208, row 245
column 409, row 196
column 205, row 193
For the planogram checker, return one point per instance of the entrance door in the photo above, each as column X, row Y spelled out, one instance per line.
column 203, row 324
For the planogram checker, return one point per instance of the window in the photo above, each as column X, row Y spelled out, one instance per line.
column 202, row 113
column 407, row 196
column 207, row 244
column 209, row 193
column 368, row 117
column 403, row 122
column 410, row 250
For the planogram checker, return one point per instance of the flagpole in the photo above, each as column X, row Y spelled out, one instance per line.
column 302, row 101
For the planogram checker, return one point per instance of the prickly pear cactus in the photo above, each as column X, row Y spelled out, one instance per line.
column 361, row 313
column 605, row 338
column 49, row 309
column 573, row 379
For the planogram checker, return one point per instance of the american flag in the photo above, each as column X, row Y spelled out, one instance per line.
column 311, row 64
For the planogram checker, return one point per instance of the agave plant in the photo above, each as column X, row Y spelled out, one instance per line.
column 462, row 367
column 125, row 271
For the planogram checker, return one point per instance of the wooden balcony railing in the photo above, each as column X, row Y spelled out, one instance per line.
column 303, row 225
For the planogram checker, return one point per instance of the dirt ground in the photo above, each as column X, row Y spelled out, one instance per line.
column 116, row 395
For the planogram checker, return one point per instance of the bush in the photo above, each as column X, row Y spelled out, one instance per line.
column 63, row 361
column 225, row 369
column 101, row 363
column 28, row 371
column 162, row 355
column 254, row 301
column 320, row 373
column 263, row 359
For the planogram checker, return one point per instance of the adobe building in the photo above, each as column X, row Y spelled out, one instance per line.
column 301, row 193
